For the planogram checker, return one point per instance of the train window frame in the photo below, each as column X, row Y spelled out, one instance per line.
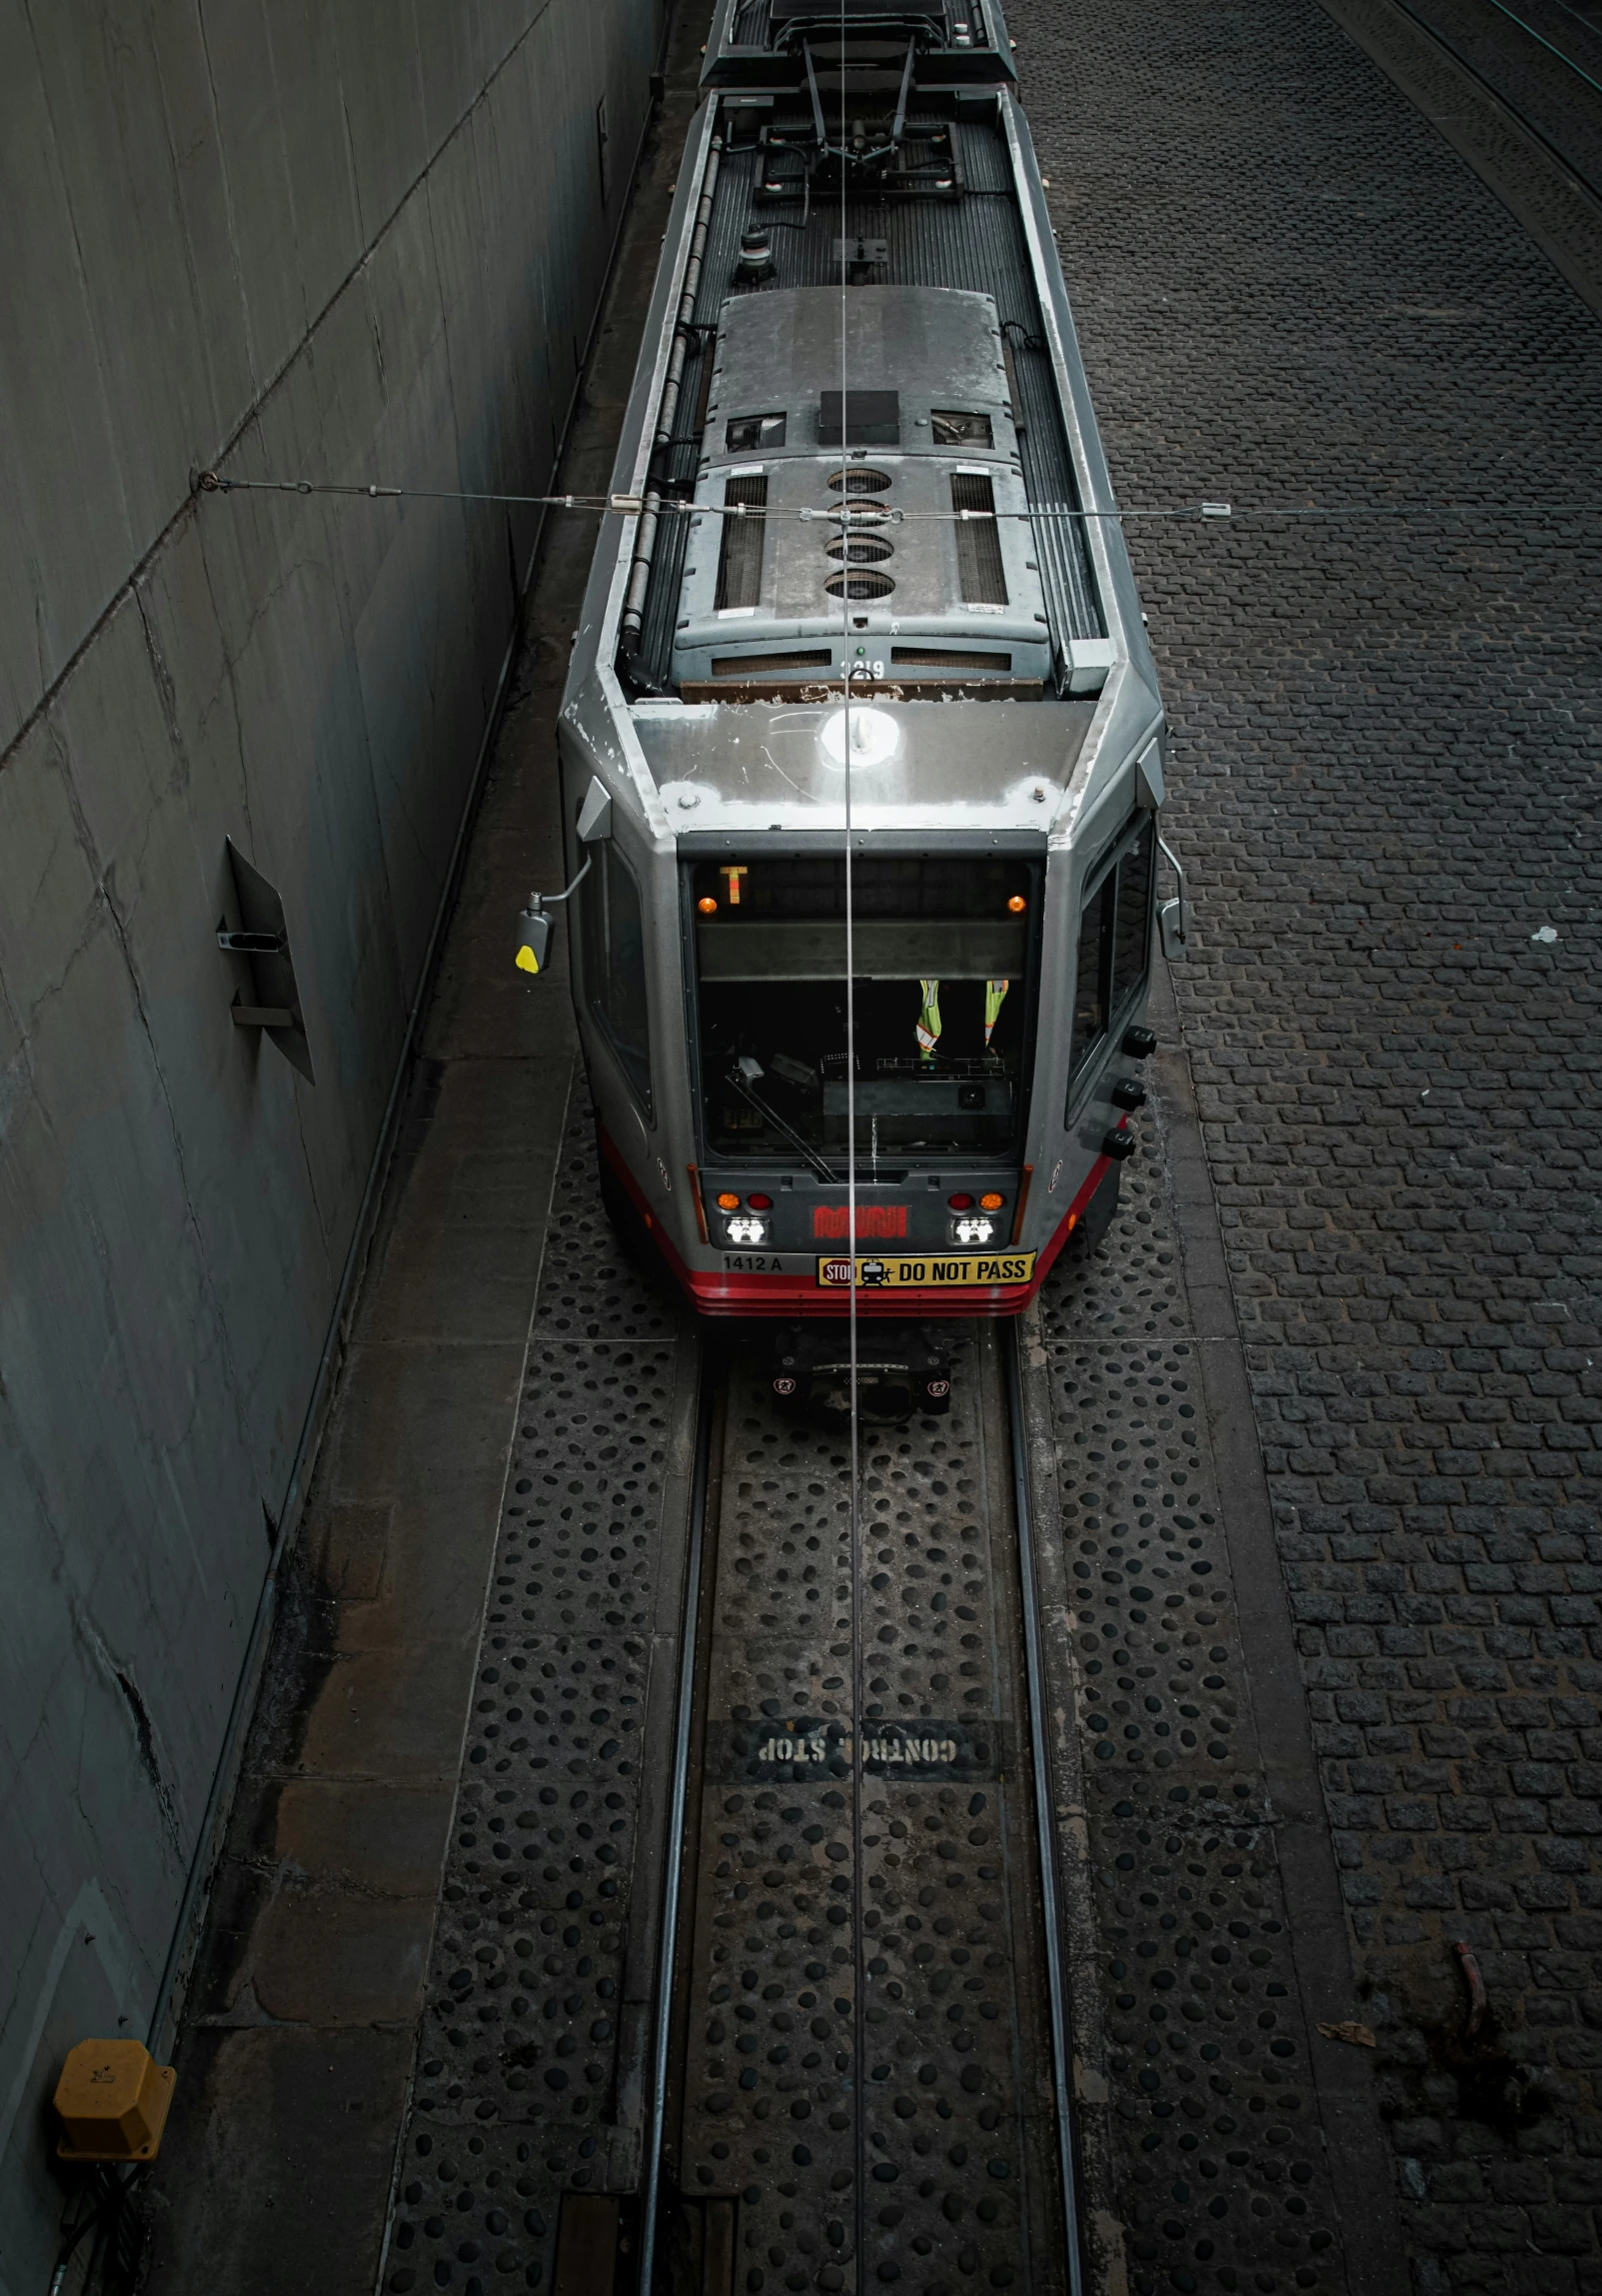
column 773, row 1160
column 598, row 913
column 753, row 434
column 964, row 430
column 1117, row 1000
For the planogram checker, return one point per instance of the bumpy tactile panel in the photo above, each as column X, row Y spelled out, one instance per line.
column 956, row 2129
column 1219, row 2148
column 475, row 2210
column 590, row 1288
column 517, row 2095
column 577, row 1546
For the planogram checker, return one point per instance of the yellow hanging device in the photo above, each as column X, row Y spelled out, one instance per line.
column 534, row 938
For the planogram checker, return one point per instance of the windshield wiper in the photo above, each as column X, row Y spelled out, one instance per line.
column 741, row 1078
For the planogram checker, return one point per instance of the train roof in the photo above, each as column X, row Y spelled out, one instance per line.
column 863, row 441
column 960, row 42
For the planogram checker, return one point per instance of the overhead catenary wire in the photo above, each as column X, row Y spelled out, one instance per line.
column 634, row 505
column 854, row 1484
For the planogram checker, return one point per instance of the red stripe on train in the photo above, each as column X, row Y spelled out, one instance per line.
column 799, row 1296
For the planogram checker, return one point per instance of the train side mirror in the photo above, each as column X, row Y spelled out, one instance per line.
column 533, row 938
column 535, row 923
column 595, row 814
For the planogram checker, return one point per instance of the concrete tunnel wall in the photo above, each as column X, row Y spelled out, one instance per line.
column 350, row 240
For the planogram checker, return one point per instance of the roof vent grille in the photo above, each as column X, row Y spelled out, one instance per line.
column 979, row 540
column 740, row 561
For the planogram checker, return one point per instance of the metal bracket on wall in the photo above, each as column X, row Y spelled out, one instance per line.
column 262, row 942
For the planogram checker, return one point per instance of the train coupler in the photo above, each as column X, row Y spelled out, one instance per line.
column 901, row 1369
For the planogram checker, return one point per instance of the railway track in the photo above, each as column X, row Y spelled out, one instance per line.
column 710, row 1999
column 1551, row 94
column 861, row 2048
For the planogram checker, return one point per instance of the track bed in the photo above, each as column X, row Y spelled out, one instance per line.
column 864, row 2043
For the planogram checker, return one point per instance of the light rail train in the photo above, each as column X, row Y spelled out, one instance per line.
column 913, row 518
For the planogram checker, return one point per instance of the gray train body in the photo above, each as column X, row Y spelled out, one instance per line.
column 865, row 489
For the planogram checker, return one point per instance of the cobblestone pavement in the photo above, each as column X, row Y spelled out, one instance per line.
column 531, row 2057
column 1383, row 770
column 1219, row 2149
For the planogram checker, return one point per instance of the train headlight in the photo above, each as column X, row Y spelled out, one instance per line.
column 747, row 1228
column 974, row 1227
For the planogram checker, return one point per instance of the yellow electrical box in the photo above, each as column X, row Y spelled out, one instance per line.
column 113, row 2100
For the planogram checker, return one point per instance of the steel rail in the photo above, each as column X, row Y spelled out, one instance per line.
column 673, row 1873
column 1035, row 1675
column 1515, row 112
column 1550, row 46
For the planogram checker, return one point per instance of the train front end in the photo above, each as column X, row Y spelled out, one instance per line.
column 860, row 750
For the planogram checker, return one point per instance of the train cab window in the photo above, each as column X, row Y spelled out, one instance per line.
column 749, row 432
column 943, row 957
column 1132, row 925
column 1114, row 950
column 614, row 965
column 1091, row 972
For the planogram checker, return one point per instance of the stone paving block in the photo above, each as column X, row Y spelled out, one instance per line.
column 430, row 1585
column 279, row 2177
column 1383, row 774
column 330, row 1957
column 382, row 1839
column 391, row 1714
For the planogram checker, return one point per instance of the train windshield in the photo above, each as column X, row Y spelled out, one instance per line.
column 943, row 961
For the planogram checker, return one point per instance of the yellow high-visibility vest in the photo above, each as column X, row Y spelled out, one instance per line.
column 928, row 1019
column 994, row 995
